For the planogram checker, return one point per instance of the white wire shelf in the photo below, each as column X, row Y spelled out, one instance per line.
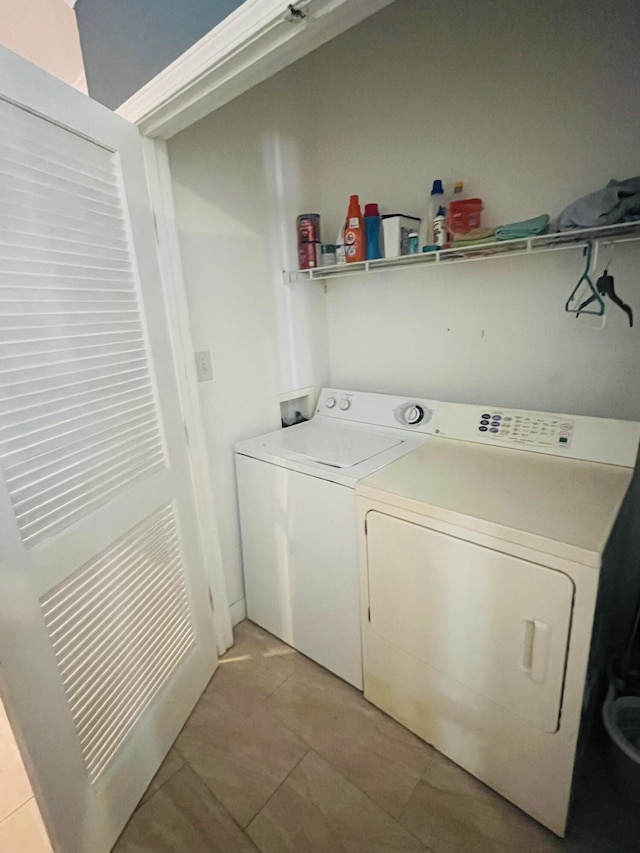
column 578, row 238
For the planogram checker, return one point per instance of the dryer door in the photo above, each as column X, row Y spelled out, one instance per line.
column 493, row 622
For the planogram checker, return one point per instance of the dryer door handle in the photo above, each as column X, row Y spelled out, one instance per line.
column 535, row 656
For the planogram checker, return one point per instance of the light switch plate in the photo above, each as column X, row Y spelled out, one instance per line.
column 203, row 366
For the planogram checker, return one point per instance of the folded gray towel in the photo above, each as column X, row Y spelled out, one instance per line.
column 619, row 201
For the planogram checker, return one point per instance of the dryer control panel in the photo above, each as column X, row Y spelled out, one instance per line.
column 614, row 442
column 526, row 427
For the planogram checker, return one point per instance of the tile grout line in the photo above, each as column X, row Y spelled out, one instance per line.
column 320, row 752
column 17, row 808
column 275, row 689
column 177, row 770
column 336, row 769
column 212, row 794
column 426, row 848
column 272, row 795
column 377, row 805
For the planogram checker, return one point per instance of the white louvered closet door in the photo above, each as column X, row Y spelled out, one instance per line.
column 106, row 630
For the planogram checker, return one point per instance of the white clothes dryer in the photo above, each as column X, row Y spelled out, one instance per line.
column 483, row 555
column 298, row 518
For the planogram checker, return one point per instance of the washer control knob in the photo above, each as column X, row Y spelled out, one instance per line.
column 414, row 414
column 345, row 403
column 330, row 402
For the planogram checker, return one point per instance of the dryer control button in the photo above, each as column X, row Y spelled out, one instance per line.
column 330, row 402
column 345, row 403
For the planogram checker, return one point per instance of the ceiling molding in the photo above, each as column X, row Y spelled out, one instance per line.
column 252, row 43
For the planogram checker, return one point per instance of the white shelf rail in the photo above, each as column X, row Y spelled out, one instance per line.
column 577, row 238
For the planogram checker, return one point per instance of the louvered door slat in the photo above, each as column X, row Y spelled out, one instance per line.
column 111, row 665
column 141, row 441
column 87, row 395
column 66, row 175
column 60, row 357
column 31, row 414
column 103, row 577
column 80, row 426
column 48, row 254
column 72, row 439
column 91, row 665
column 23, row 394
column 67, row 513
column 49, row 194
column 66, row 297
column 62, row 243
column 18, row 348
column 95, row 227
column 43, row 494
column 24, row 227
column 36, row 179
column 44, row 436
column 44, row 141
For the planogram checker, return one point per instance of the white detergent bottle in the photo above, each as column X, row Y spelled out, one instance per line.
column 436, row 201
column 440, row 228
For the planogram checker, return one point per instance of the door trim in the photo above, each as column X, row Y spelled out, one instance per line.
column 174, row 290
column 252, row 43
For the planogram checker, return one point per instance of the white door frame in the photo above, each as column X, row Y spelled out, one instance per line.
column 175, row 297
column 254, row 42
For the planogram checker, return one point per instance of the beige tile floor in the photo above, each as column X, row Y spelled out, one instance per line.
column 279, row 755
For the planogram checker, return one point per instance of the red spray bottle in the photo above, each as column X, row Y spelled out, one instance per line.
column 354, row 236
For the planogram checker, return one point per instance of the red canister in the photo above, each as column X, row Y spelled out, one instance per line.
column 308, row 227
column 308, row 256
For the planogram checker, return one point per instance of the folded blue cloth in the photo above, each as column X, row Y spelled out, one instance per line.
column 526, row 228
column 619, row 201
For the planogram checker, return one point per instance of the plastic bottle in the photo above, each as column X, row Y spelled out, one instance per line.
column 341, row 257
column 440, row 228
column 372, row 231
column 354, row 234
column 457, row 195
column 436, row 201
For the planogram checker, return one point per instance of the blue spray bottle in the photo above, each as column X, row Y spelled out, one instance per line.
column 372, row 230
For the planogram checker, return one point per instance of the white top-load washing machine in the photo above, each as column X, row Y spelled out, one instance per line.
column 298, row 518
column 483, row 554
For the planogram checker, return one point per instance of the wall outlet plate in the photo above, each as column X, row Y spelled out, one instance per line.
column 203, row 366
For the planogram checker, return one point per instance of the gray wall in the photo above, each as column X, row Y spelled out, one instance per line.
column 127, row 42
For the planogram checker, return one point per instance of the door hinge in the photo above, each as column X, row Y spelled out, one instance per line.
column 365, row 527
column 294, row 15
column 210, row 599
column 369, row 613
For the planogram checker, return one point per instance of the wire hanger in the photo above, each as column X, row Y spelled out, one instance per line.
column 605, row 287
column 594, row 295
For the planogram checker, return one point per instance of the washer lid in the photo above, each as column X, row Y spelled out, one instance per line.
column 328, row 444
